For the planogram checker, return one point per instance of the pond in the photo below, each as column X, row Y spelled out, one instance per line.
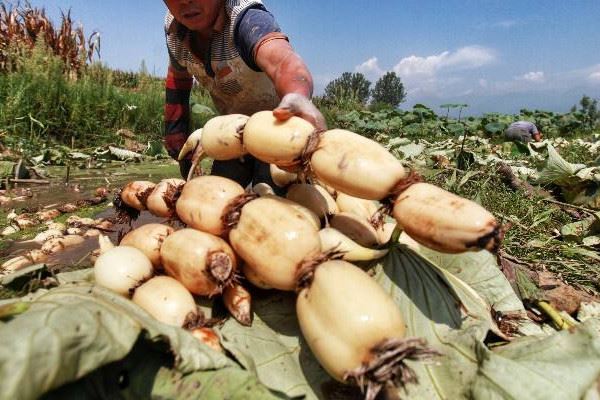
column 81, row 185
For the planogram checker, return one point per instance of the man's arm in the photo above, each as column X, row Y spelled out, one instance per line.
column 177, row 111
column 293, row 82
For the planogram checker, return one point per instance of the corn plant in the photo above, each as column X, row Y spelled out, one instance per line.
column 22, row 26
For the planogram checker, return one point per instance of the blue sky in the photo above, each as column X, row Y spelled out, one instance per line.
column 495, row 55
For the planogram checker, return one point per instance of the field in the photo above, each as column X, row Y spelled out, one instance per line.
column 520, row 321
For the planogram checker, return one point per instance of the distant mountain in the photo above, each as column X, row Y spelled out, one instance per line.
column 557, row 101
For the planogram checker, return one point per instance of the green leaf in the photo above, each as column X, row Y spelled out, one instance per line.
column 81, row 275
column 561, row 366
column 272, row 347
column 451, row 320
column 147, row 372
column 481, row 272
column 202, row 110
column 411, row 150
column 494, row 128
column 541, row 218
column 558, row 170
column 23, row 275
column 6, row 169
column 77, row 155
column 577, row 231
column 571, row 251
column 124, row 154
column 456, row 129
column 591, row 241
column 70, row 331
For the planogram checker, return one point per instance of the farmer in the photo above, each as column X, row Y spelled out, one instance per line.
column 235, row 50
column 523, row 131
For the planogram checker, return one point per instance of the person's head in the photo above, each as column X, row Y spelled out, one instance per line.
column 537, row 136
column 196, row 15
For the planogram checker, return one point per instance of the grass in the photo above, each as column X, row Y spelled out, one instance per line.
column 43, row 106
column 534, row 225
column 577, row 154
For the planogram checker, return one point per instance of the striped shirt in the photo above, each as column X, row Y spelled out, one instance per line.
column 228, row 70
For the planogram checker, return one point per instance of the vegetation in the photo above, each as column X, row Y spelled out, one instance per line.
column 53, row 92
column 389, row 90
column 350, row 88
column 23, row 27
column 544, row 198
column 353, row 90
column 590, row 114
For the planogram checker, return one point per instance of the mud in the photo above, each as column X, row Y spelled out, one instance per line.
column 83, row 185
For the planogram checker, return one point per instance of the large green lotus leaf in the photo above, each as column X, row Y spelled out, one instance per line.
column 495, row 127
column 202, row 110
column 80, row 275
column 23, row 276
column 480, row 271
column 410, row 151
column 558, row 170
column 71, row 330
column 273, row 348
column 124, row 154
column 147, row 372
column 561, row 366
column 443, row 310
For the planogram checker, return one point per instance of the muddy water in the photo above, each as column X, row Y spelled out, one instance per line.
column 83, row 182
column 82, row 185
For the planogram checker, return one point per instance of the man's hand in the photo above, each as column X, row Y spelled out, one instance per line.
column 295, row 104
column 292, row 80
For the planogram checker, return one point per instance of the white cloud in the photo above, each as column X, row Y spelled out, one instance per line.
column 370, row 68
column 594, row 75
column 469, row 57
column 460, row 75
column 508, row 23
column 424, row 66
column 533, row 76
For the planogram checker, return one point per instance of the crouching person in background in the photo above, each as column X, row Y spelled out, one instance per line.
column 523, row 131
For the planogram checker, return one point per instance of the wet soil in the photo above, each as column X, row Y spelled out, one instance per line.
column 82, row 185
column 83, row 182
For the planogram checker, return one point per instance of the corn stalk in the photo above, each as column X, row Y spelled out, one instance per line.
column 22, row 26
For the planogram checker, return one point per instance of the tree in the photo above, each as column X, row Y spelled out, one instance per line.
column 590, row 112
column 389, row 89
column 349, row 86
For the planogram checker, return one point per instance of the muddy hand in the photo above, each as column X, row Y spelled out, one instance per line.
column 300, row 106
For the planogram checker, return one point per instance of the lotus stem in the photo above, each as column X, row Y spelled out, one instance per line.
column 551, row 312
